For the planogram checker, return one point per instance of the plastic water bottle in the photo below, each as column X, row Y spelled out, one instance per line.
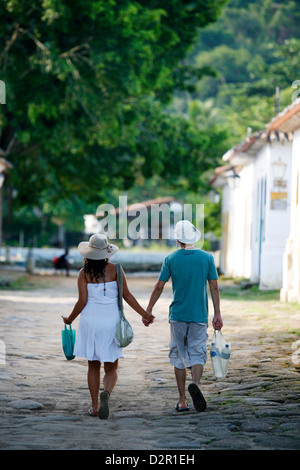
column 216, row 361
column 225, row 355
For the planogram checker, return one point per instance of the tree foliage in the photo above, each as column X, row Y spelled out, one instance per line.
column 254, row 47
column 86, row 85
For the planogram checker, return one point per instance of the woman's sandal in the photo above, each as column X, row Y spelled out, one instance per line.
column 93, row 412
column 104, row 409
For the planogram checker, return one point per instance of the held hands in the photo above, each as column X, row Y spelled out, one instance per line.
column 148, row 318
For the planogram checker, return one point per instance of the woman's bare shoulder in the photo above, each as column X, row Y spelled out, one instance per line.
column 81, row 275
column 111, row 270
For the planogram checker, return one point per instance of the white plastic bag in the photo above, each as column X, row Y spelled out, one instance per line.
column 220, row 352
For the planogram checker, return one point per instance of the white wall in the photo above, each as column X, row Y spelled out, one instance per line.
column 291, row 261
column 270, row 227
column 236, row 226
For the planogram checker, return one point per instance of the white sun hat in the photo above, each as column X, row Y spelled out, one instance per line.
column 97, row 247
column 186, row 232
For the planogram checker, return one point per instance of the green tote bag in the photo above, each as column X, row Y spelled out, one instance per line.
column 124, row 332
column 68, row 341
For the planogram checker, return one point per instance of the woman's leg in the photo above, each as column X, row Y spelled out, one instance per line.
column 93, row 378
column 109, row 381
column 111, row 375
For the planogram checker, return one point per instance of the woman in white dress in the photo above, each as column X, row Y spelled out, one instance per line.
column 98, row 305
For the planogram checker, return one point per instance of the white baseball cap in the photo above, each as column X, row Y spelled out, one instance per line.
column 186, row 232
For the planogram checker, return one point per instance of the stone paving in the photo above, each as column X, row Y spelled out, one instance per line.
column 44, row 399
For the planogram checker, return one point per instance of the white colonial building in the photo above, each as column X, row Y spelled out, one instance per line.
column 256, row 190
column 289, row 121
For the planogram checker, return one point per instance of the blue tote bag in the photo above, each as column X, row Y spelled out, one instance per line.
column 68, row 341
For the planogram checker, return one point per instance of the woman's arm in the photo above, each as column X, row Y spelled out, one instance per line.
column 82, row 299
column 131, row 300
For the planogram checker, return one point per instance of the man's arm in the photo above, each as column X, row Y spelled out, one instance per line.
column 215, row 295
column 159, row 287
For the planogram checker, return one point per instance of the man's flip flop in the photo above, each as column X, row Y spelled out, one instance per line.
column 197, row 397
column 177, row 408
column 104, row 410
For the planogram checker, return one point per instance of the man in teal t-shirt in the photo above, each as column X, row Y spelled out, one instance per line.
column 190, row 269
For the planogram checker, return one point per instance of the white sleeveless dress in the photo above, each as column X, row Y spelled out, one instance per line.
column 97, row 324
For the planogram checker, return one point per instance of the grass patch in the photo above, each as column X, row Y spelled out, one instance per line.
column 237, row 292
column 22, row 282
column 293, row 331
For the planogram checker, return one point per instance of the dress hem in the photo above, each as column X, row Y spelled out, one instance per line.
column 97, row 359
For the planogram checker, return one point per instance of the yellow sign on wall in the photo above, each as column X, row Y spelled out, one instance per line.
column 279, row 200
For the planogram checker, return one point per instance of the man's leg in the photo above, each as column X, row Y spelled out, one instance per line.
column 194, row 390
column 197, row 336
column 197, row 371
column 177, row 358
column 180, row 375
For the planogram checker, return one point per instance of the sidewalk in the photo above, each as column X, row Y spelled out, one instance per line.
column 44, row 398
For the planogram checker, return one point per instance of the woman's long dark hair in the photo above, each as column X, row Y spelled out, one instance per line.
column 95, row 269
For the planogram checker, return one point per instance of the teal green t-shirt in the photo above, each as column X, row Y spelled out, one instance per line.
column 189, row 270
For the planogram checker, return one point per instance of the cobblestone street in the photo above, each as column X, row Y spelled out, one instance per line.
column 44, row 399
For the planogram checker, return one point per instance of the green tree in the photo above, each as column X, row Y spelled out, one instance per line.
column 254, row 47
column 86, row 83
